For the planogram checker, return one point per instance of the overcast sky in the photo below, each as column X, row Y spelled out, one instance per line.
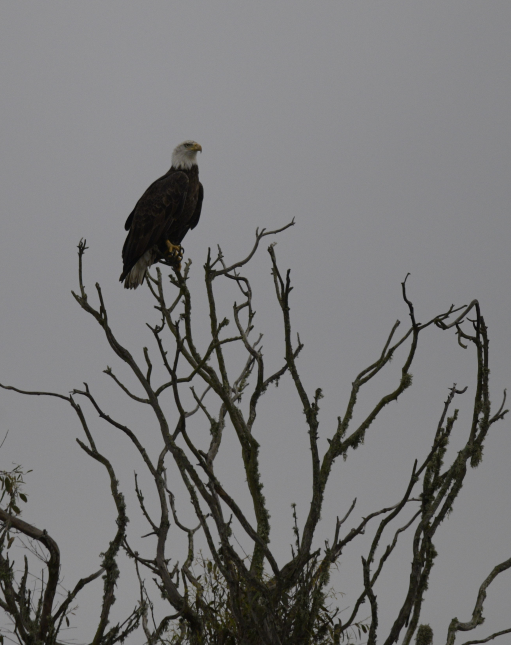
column 383, row 128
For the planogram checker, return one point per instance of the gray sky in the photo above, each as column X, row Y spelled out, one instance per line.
column 383, row 128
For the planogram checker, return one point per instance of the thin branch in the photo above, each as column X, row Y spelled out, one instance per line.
column 259, row 237
column 72, row 595
column 123, row 387
column 489, row 638
column 477, row 613
column 32, row 393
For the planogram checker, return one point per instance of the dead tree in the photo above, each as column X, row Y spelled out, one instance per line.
column 254, row 600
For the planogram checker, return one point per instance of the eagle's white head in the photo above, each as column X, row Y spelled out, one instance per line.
column 185, row 154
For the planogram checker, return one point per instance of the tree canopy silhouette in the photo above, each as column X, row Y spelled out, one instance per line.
column 223, row 596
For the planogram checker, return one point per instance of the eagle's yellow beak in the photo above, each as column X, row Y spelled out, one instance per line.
column 197, row 147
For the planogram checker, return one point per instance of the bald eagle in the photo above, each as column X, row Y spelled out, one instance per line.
column 168, row 209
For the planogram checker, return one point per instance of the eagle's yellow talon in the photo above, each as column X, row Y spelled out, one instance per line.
column 174, row 249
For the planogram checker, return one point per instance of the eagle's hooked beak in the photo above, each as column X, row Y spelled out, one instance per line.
column 197, row 147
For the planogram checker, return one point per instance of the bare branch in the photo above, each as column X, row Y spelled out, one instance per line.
column 259, row 237
column 489, row 638
column 32, row 393
column 123, row 387
column 477, row 613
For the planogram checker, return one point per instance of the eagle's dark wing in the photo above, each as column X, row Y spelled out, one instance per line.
column 177, row 229
column 196, row 216
column 160, row 206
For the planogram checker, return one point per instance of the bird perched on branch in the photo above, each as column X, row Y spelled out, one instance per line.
column 168, row 209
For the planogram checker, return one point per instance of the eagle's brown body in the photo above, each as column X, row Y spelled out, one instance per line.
column 168, row 209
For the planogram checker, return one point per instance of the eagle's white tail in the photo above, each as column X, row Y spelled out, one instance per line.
column 137, row 274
